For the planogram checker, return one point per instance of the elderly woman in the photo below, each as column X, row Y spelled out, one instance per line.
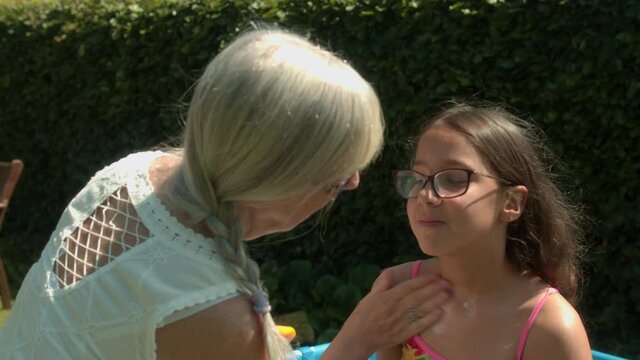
column 148, row 260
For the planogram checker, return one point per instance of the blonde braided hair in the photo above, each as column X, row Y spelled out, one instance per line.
column 272, row 116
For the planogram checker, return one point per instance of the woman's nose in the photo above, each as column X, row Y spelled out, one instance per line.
column 352, row 182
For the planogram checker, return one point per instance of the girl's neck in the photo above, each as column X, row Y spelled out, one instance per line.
column 478, row 279
column 479, row 273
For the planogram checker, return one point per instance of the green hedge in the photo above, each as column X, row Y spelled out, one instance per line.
column 83, row 83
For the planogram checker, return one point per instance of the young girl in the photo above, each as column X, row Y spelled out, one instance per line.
column 480, row 201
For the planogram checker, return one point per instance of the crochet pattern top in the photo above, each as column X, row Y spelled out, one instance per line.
column 117, row 266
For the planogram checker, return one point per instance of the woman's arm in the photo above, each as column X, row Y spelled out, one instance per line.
column 229, row 330
column 384, row 318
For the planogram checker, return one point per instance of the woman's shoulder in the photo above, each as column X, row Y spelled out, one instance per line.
column 137, row 160
column 119, row 170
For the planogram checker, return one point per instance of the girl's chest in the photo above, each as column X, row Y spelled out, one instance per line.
column 468, row 334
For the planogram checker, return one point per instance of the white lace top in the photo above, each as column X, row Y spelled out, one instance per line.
column 117, row 267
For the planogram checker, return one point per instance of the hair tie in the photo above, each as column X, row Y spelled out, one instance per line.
column 261, row 302
column 217, row 226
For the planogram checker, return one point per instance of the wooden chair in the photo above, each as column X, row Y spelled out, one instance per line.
column 9, row 175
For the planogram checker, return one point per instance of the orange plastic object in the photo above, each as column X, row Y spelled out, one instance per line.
column 287, row 332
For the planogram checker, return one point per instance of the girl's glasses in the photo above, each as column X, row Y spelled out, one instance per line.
column 446, row 184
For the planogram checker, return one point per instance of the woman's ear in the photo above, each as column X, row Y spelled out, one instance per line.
column 515, row 199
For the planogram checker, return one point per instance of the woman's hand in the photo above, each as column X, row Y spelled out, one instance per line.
column 389, row 315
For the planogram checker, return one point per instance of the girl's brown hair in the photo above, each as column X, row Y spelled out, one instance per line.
column 547, row 239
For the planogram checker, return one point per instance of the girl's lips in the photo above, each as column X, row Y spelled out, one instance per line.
column 431, row 223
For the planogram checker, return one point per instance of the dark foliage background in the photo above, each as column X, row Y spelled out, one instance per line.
column 83, row 83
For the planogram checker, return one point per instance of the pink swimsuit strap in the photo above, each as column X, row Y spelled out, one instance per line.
column 415, row 268
column 532, row 317
column 419, row 341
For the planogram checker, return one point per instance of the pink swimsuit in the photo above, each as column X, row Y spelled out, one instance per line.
column 424, row 351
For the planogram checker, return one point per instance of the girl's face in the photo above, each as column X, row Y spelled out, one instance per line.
column 445, row 226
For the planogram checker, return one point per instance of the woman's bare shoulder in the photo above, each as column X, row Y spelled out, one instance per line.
column 228, row 330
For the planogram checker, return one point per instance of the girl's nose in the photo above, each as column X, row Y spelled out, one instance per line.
column 427, row 195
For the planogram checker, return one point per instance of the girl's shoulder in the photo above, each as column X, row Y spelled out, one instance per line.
column 557, row 331
column 558, row 315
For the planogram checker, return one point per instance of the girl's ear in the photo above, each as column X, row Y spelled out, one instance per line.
column 515, row 199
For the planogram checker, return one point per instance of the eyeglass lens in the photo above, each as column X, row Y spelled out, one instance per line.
column 447, row 183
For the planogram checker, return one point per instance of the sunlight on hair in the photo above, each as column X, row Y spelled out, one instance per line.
column 319, row 67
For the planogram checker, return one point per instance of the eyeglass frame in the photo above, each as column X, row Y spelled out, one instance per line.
column 431, row 179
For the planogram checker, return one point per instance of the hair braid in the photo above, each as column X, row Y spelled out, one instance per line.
column 272, row 116
column 246, row 272
column 222, row 221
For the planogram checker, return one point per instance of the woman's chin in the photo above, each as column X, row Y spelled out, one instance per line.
column 274, row 229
